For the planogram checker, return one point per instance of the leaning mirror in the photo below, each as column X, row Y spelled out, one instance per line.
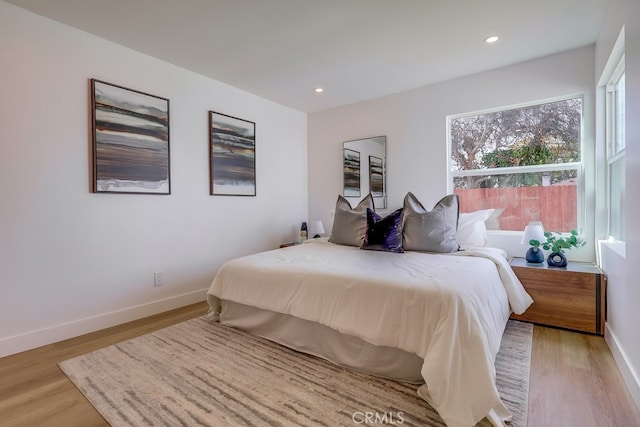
column 364, row 170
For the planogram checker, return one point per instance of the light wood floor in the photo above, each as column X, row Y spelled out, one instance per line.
column 574, row 380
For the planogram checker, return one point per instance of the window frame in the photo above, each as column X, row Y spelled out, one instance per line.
column 578, row 166
column 612, row 153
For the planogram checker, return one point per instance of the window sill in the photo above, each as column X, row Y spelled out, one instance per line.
column 617, row 246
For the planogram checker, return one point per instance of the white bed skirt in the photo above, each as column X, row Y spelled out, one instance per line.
column 341, row 349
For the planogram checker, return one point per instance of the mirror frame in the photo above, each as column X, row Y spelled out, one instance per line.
column 367, row 155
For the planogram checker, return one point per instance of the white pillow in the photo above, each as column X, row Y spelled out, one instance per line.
column 472, row 231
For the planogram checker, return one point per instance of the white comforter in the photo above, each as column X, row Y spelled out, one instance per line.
column 450, row 309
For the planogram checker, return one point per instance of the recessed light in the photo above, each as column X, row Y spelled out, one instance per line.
column 491, row 39
column 318, row 90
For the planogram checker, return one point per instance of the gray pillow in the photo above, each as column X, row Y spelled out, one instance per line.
column 350, row 225
column 433, row 231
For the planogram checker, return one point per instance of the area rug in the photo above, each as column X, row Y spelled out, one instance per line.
column 207, row 374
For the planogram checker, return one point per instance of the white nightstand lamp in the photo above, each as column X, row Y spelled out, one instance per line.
column 317, row 229
column 534, row 231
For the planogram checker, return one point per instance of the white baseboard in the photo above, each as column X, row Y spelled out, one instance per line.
column 32, row 339
column 629, row 375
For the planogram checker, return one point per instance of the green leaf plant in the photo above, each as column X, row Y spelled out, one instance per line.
column 556, row 242
column 535, row 244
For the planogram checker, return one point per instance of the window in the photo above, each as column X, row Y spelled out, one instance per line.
column 524, row 161
column 616, row 152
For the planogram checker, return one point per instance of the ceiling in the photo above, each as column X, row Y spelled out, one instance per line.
column 355, row 49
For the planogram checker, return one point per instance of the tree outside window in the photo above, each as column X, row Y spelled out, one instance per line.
column 524, row 162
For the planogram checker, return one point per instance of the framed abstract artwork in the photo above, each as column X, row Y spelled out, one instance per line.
column 376, row 176
column 232, row 155
column 130, row 140
column 351, row 171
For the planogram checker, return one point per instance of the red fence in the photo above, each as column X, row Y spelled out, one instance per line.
column 556, row 205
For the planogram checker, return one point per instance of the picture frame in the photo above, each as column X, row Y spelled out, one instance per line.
column 232, row 156
column 351, row 172
column 130, row 140
column 376, row 176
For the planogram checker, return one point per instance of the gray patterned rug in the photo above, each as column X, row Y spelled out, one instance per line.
column 202, row 373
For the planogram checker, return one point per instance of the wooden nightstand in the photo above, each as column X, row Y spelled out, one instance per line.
column 571, row 298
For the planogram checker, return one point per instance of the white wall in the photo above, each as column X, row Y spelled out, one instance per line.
column 415, row 125
column 72, row 261
column 623, row 292
column 631, row 316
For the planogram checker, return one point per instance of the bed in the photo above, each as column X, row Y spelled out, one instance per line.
column 430, row 318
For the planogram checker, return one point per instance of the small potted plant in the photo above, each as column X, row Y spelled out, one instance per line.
column 534, row 255
column 557, row 243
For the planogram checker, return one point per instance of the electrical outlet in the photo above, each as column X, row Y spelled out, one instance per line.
column 158, row 279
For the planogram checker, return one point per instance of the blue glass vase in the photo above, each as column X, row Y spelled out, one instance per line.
column 534, row 256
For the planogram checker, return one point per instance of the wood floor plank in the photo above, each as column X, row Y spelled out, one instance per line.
column 574, row 379
column 35, row 392
column 575, row 382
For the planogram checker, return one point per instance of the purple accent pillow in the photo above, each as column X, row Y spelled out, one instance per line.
column 384, row 234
